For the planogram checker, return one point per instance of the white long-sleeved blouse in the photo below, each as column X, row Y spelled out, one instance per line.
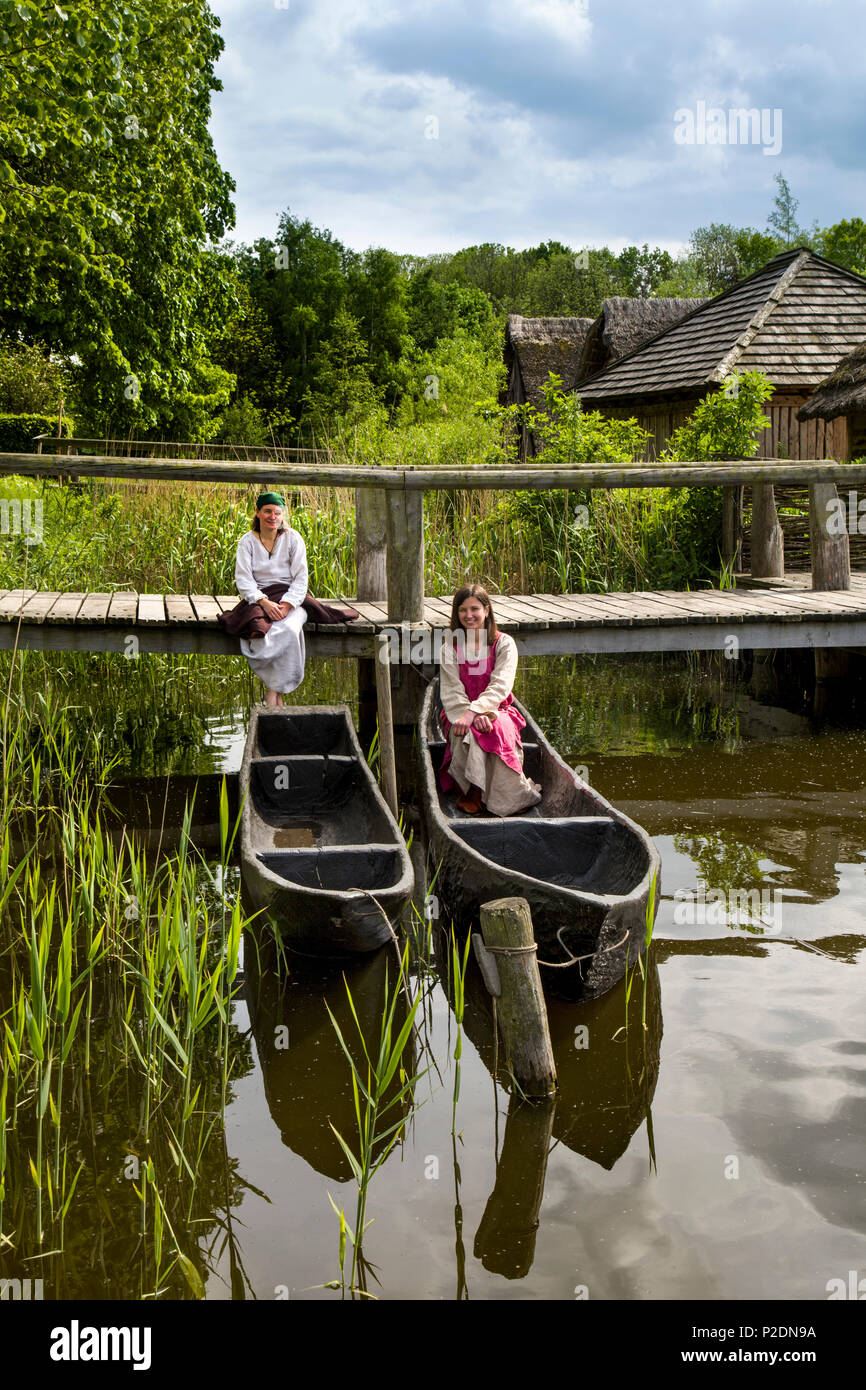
column 455, row 700
column 255, row 569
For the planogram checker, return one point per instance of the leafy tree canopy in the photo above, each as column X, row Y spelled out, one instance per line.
column 109, row 188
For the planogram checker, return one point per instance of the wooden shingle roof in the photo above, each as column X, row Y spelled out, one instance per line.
column 794, row 320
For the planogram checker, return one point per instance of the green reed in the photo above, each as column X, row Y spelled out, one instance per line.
column 168, row 540
column 458, row 965
column 118, row 974
column 375, row 1099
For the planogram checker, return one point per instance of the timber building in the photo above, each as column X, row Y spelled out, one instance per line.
column 795, row 321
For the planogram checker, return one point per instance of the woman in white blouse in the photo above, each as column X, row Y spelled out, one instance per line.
column 271, row 554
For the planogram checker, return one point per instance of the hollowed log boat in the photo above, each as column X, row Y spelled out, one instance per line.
column 320, row 850
column 584, row 868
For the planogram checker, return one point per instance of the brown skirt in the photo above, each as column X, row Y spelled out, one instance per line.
column 250, row 619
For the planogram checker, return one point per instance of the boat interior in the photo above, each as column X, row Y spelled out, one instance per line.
column 315, row 819
column 570, row 839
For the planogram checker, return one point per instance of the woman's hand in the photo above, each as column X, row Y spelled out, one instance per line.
column 274, row 611
column 468, row 721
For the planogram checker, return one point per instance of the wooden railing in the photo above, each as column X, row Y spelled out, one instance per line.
column 77, row 445
column 390, row 519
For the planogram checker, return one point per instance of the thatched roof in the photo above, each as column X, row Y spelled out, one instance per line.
column 794, row 321
column 843, row 392
column 626, row 324
column 536, row 347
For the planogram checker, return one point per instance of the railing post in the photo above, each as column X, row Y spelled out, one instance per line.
column 371, row 530
column 405, row 562
column 828, row 538
column 386, row 723
column 768, row 545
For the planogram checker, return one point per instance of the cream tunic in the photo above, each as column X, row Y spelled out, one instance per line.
column 504, row 791
column 278, row 657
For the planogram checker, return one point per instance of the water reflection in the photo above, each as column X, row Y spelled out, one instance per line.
column 607, row 1067
column 306, row 1074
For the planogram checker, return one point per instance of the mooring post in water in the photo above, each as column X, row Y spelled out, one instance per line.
column 506, row 925
column 386, row 721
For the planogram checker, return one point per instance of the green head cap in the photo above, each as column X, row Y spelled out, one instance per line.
column 269, row 498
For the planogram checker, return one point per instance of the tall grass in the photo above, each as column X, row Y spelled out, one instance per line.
column 117, row 974
column 152, row 536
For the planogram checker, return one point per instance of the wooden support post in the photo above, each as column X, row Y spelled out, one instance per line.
column 768, row 546
column 371, row 525
column 405, row 563
column 506, row 925
column 371, row 530
column 386, row 724
column 732, row 527
column 828, row 536
column 505, row 1240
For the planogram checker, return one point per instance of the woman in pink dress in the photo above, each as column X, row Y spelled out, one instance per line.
column 484, row 757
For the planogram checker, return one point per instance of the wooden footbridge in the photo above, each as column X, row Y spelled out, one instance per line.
column 765, row 610
column 759, row 614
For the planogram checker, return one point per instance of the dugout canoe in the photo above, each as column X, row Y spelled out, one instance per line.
column 584, row 868
column 320, row 850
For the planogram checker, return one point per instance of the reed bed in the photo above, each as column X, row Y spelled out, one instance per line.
column 117, row 974
column 160, row 537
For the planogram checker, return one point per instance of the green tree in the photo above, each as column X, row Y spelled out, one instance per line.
column 845, row 243
column 110, row 187
column 437, row 311
column 724, row 255
column 377, row 294
column 30, row 382
column 725, row 424
column 342, row 392
column 640, row 270
column 783, row 218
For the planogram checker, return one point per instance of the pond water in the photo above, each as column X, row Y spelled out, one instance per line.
column 716, row 1154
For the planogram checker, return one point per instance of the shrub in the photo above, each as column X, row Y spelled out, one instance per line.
column 17, row 431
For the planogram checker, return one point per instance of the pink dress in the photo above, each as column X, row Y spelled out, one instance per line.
column 504, row 737
column 504, row 795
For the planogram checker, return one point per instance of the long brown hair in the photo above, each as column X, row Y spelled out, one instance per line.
column 474, row 591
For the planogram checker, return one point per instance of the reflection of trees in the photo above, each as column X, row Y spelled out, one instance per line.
column 652, row 704
column 724, row 863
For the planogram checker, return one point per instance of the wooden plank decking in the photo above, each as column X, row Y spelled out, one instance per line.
column 759, row 613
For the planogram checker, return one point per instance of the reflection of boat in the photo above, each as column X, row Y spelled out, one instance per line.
column 319, row 847
column 606, row 1078
column 605, row 1074
column 583, row 867
column 307, row 1079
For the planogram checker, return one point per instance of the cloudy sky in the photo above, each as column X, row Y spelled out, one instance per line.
column 426, row 125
